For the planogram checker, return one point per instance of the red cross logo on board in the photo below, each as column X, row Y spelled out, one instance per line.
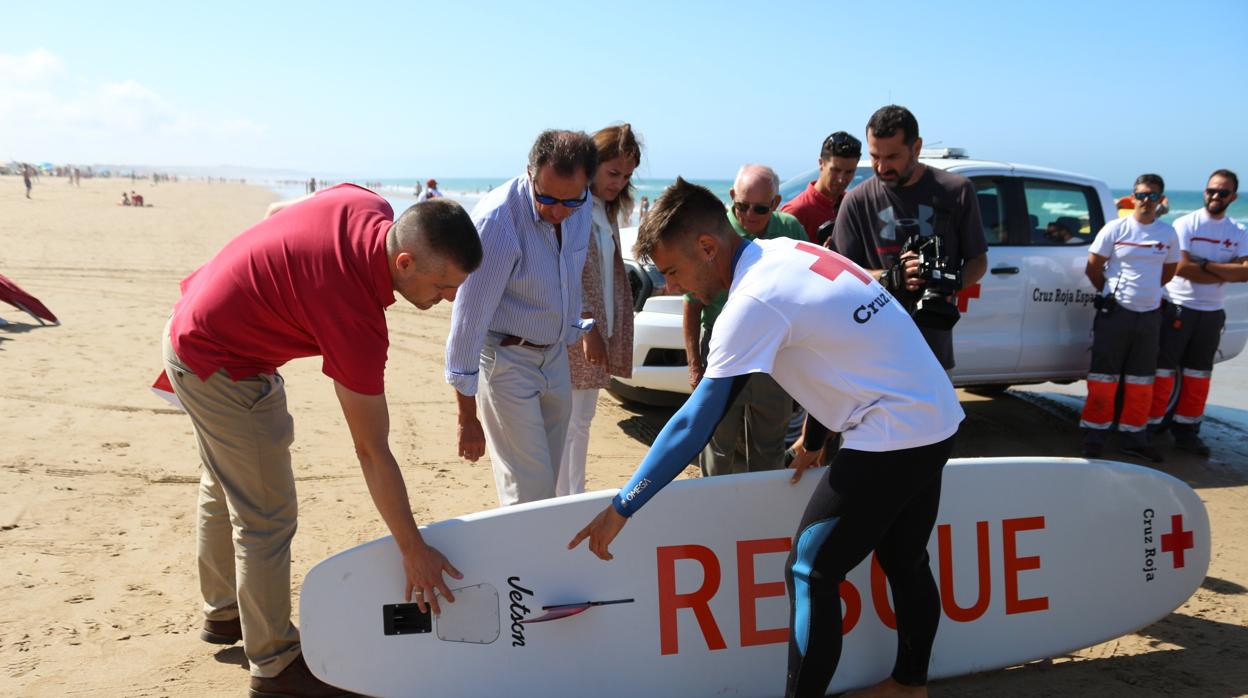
column 1177, row 541
column 965, row 296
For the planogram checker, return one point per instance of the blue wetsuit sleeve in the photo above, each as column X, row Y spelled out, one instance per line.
column 684, row 435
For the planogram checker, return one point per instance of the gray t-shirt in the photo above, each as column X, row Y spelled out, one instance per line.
column 876, row 220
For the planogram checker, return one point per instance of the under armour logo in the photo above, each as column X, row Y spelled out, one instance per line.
column 907, row 225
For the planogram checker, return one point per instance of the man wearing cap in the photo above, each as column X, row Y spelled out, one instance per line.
column 312, row 279
column 1213, row 250
column 751, row 435
column 430, row 191
column 506, row 356
column 818, row 203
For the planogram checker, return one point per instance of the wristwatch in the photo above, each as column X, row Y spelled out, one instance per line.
column 1204, row 264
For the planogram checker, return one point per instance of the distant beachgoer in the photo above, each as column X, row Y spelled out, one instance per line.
column 416, row 189
column 136, row 199
column 125, row 199
column 607, row 348
column 643, row 210
column 26, row 171
column 430, row 192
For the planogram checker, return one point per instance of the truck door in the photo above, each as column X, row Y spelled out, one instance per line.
column 986, row 340
column 1062, row 219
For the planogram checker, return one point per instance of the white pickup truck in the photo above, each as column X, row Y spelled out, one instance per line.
column 1029, row 320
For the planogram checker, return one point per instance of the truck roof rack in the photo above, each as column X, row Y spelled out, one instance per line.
column 944, row 153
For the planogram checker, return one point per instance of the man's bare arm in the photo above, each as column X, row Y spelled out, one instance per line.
column 1235, row 271
column 1095, row 270
column 1192, row 270
column 974, row 269
column 368, row 418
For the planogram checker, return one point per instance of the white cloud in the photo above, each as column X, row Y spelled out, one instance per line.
column 43, row 117
column 35, row 66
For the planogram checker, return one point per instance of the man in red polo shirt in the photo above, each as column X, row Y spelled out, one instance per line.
column 312, row 279
column 818, row 203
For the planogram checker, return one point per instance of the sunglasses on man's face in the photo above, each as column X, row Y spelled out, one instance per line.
column 551, row 201
column 743, row 207
column 1148, row 196
column 1213, row 193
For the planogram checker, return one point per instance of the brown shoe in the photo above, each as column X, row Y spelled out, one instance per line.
column 222, row 632
column 295, row 680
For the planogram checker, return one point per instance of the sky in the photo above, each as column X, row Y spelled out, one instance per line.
column 457, row 89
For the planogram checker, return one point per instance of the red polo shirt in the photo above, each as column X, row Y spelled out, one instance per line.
column 311, row 280
column 813, row 209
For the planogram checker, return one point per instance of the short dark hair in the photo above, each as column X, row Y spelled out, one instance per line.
column 565, row 152
column 681, row 210
column 840, row 145
column 887, row 120
column 1228, row 174
column 1152, row 180
column 437, row 229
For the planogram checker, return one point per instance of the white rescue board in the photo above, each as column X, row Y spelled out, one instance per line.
column 1034, row 557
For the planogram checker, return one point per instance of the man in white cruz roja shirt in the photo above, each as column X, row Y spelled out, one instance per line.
column 840, row 344
column 1128, row 263
column 1212, row 248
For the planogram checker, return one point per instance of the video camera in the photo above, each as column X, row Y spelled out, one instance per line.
column 941, row 280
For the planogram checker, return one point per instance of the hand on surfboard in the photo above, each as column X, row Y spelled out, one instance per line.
column 424, row 567
column 802, row 461
column 600, row 532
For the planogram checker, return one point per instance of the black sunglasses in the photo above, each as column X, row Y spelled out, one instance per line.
column 551, row 201
column 743, row 206
column 1147, row 196
column 842, row 145
column 1218, row 193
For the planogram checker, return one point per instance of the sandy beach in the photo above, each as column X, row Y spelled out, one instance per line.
column 98, row 476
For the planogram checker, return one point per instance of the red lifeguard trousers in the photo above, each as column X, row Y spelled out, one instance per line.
column 1187, row 346
column 1124, row 346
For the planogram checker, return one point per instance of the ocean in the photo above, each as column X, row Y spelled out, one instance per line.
column 400, row 192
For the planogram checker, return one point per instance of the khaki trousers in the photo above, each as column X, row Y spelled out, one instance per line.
column 525, row 400
column 750, row 437
column 247, row 506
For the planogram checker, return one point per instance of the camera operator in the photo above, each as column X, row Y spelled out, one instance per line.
column 1128, row 263
column 883, row 223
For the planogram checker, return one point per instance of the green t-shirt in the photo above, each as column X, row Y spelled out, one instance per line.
column 781, row 225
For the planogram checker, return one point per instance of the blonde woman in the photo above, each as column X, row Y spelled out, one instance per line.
column 607, row 349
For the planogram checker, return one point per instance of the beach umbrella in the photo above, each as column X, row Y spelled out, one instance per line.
column 13, row 294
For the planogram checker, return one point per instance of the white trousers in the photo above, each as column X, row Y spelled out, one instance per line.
column 524, row 397
column 576, row 448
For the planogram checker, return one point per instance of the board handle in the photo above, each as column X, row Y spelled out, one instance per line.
column 405, row 619
column 567, row 610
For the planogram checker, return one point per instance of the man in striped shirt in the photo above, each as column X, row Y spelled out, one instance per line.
column 506, row 355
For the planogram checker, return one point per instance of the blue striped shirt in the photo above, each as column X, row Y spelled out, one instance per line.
column 527, row 285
